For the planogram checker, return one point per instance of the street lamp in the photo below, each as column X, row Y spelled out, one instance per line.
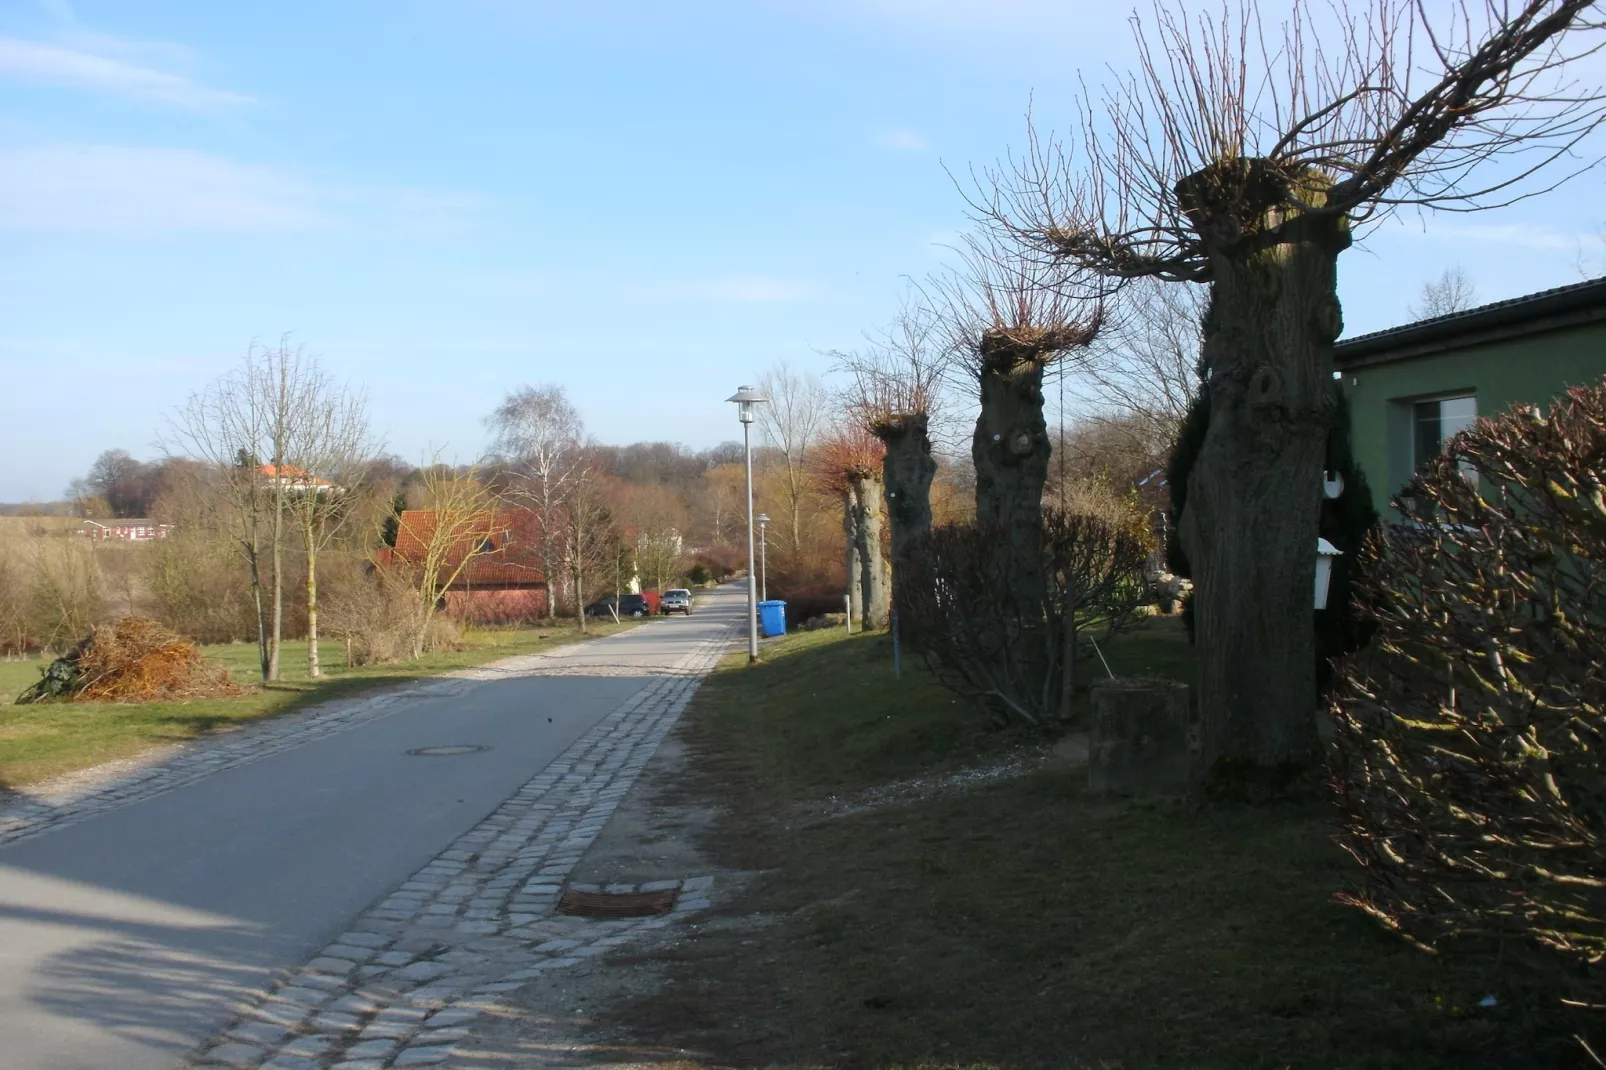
column 747, row 400
column 763, row 558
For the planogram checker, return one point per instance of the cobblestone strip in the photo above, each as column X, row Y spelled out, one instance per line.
column 24, row 820
column 399, row 988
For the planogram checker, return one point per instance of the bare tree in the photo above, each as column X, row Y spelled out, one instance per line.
column 1010, row 318
column 1143, row 372
column 541, row 438
column 591, row 545
column 846, row 463
column 326, row 457
column 897, row 394
column 435, row 547
column 791, row 422
column 227, row 428
column 1451, row 292
column 1245, row 158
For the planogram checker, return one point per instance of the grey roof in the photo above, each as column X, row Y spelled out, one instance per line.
column 1547, row 310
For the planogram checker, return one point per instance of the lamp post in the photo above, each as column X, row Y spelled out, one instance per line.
column 763, row 558
column 747, row 400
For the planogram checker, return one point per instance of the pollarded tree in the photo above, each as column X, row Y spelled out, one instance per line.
column 897, row 394
column 847, row 462
column 1009, row 319
column 1245, row 158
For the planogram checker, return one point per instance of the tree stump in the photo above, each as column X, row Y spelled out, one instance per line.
column 1141, row 739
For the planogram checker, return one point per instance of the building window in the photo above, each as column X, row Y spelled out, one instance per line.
column 1435, row 423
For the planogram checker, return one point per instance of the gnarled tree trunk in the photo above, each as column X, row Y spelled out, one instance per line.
column 907, row 469
column 850, row 532
column 867, row 508
column 1011, row 452
column 1254, row 495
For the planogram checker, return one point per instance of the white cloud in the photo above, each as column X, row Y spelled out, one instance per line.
column 97, row 188
column 735, row 289
column 138, row 189
column 901, row 140
column 40, row 64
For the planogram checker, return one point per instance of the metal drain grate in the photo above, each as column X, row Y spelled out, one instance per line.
column 447, row 751
column 627, row 905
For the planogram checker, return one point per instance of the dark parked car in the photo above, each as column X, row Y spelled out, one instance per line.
column 630, row 605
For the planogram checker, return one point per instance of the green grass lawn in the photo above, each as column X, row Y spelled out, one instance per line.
column 1025, row 922
column 43, row 740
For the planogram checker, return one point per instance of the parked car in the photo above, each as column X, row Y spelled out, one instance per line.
column 675, row 601
column 634, row 605
column 602, row 607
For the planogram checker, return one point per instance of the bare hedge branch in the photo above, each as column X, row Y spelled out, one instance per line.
column 1471, row 754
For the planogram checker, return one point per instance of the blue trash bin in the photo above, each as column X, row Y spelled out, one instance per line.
column 772, row 617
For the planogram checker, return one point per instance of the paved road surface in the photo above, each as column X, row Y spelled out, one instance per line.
column 128, row 938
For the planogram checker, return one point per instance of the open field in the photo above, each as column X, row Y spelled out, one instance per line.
column 45, row 740
column 1021, row 922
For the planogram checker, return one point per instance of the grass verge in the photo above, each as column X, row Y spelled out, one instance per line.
column 1026, row 923
column 47, row 739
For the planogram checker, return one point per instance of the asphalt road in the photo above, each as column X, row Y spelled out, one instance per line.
column 128, row 938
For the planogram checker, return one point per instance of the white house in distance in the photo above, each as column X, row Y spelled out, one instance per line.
column 126, row 530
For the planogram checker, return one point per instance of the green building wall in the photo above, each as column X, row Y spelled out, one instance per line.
column 1532, row 369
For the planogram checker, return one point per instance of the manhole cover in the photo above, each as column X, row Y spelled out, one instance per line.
column 628, row 905
column 442, row 752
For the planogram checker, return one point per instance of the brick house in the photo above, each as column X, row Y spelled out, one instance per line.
column 502, row 582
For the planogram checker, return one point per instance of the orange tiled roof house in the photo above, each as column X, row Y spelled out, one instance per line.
column 502, row 582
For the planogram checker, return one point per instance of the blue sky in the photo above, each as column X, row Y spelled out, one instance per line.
column 448, row 198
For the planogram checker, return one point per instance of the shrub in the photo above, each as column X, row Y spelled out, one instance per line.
column 370, row 613
column 1471, row 750
column 807, row 603
column 983, row 637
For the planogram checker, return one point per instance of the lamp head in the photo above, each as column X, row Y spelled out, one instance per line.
column 762, row 518
column 746, row 398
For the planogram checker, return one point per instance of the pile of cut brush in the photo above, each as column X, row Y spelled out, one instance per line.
column 133, row 659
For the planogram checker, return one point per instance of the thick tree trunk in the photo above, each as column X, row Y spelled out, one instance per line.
column 850, row 532
column 867, row 509
column 1011, row 452
column 1250, row 524
column 907, row 469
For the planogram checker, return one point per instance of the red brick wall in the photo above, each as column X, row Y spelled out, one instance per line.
column 496, row 606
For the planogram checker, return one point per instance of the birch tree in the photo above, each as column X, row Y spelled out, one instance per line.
column 540, row 437
column 791, row 422
column 326, row 458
